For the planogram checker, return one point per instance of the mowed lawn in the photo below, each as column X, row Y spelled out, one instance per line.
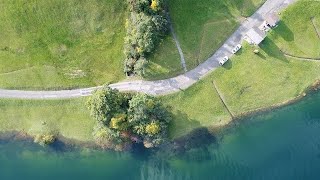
column 251, row 81
column 61, row 44
column 164, row 62
column 247, row 82
column 199, row 106
column 203, row 26
column 248, row 7
column 296, row 34
column 69, row 118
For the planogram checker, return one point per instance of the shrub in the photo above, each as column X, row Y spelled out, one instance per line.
column 153, row 128
column 44, row 139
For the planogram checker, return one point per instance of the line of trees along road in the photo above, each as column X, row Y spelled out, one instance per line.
column 146, row 25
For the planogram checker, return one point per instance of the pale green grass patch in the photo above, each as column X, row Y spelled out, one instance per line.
column 67, row 35
column 198, row 106
column 69, row 118
column 296, row 34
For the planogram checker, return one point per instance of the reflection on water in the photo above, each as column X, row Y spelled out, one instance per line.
column 283, row 144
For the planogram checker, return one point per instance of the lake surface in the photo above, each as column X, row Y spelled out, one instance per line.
column 282, row 144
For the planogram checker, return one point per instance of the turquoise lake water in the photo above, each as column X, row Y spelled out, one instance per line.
column 282, row 144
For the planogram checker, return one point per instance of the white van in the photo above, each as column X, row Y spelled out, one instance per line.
column 223, row 60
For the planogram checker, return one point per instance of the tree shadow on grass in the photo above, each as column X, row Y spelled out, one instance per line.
column 182, row 123
column 272, row 50
column 261, row 56
column 191, row 137
column 284, row 31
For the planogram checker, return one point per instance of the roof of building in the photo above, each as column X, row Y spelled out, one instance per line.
column 256, row 35
column 272, row 19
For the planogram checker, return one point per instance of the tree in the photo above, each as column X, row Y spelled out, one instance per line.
column 149, row 119
column 123, row 118
column 106, row 137
column 153, row 128
column 146, row 26
column 105, row 103
column 119, row 122
column 154, row 5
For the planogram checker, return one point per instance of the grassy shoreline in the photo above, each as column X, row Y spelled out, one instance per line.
column 15, row 134
column 69, row 118
column 248, row 82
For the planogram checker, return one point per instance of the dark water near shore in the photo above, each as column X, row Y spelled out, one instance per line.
column 282, row 144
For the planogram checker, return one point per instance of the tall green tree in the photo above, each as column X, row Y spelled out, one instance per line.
column 105, row 103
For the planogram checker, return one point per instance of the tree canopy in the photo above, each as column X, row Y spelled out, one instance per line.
column 123, row 119
column 146, row 25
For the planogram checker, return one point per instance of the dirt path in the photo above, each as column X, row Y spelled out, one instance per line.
column 300, row 58
column 222, row 99
column 183, row 61
column 315, row 27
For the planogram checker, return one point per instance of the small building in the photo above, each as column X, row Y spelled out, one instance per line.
column 255, row 36
column 272, row 20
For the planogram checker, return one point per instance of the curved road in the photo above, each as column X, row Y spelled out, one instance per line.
column 171, row 85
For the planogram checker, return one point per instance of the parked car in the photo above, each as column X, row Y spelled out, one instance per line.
column 236, row 49
column 223, row 60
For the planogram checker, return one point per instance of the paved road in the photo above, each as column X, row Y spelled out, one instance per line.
column 171, row 85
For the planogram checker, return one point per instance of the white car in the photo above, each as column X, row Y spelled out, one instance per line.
column 223, row 60
column 236, row 49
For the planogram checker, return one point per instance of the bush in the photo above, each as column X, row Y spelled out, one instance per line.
column 44, row 139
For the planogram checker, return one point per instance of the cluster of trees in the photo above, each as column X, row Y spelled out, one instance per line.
column 146, row 26
column 123, row 119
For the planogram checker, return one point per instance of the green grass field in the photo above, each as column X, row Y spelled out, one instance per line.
column 200, row 33
column 296, row 34
column 69, row 118
column 248, row 7
column 69, row 44
column 211, row 22
column 164, row 62
column 247, row 82
column 251, row 81
column 198, row 106
column 60, row 44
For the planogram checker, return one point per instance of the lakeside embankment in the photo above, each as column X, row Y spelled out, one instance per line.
column 202, row 134
column 248, row 83
column 279, row 145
